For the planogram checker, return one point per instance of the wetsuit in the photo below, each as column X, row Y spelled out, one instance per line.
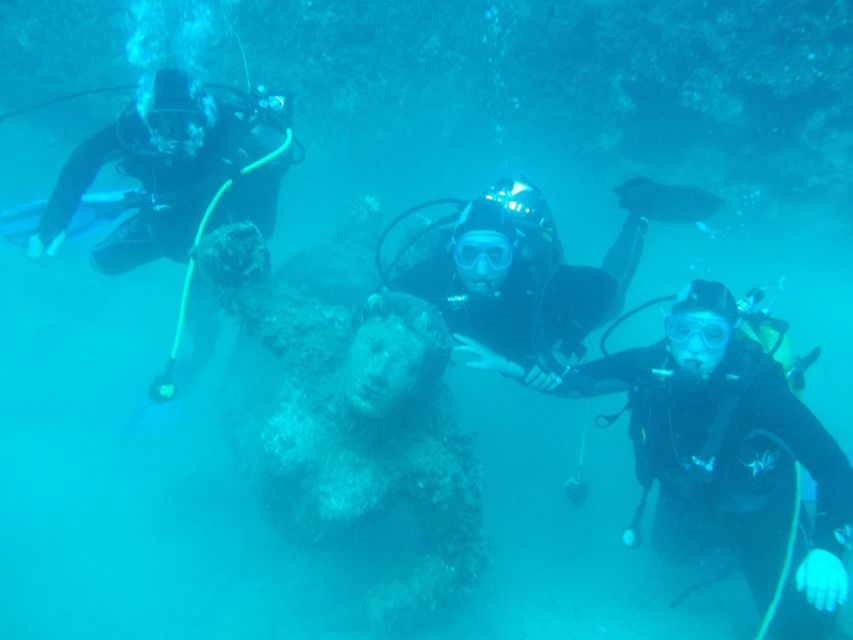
column 531, row 318
column 724, row 452
column 179, row 191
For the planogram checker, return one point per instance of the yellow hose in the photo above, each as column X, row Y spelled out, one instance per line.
column 201, row 226
column 786, row 566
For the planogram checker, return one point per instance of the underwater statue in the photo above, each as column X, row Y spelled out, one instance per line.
column 346, row 425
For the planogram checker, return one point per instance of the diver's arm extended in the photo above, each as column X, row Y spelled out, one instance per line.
column 600, row 377
column 76, row 177
column 579, row 384
column 613, row 374
column 478, row 356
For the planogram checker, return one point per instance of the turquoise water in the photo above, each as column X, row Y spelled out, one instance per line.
column 119, row 520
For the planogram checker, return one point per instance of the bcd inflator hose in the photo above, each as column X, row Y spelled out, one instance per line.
column 786, row 564
column 163, row 387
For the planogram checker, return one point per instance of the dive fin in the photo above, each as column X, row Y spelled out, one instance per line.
column 17, row 224
column 643, row 197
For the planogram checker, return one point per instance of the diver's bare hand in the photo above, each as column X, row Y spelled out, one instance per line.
column 540, row 380
column 823, row 577
column 481, row 357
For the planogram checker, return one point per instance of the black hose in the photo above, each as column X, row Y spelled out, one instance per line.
column 602, row 344
column 383, row 272
column 724, row 573
column 112, row 89
column 65, row 98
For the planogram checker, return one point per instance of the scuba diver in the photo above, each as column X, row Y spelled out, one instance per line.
column 714, row 422
column 202, row 162
column 499, row 280
column 181, row 144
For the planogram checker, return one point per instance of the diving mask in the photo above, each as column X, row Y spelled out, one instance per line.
column 715, row 332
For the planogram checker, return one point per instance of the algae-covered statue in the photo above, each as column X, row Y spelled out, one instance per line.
column 346, row 426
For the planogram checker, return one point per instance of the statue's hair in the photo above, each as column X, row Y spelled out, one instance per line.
column 418, row 316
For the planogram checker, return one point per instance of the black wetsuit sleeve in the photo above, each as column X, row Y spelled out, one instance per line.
column 812, row 445
column 76, row 177
column 616, row 373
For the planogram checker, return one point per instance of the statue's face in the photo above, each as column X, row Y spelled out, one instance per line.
column 384, row 366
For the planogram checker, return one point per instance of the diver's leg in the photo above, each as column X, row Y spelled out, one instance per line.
column 623, row 258
column 130, row 245
column 674, row 531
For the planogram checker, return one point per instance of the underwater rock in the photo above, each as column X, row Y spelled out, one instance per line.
column 765, row 84
column 233, row 256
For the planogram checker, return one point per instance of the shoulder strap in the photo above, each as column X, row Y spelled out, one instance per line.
column 719, row 427
column 725, row 411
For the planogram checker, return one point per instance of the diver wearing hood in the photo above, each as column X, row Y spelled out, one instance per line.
column 181, row 144
column 714, row 422
column 499, row 279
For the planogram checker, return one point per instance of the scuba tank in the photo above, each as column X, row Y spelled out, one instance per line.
column 772, row 334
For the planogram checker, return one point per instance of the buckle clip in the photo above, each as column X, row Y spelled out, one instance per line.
column 708, row 466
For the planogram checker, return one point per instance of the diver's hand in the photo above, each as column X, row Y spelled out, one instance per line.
column 36, row 248
column 485, row 358
column 823, row 577
column 540, row 380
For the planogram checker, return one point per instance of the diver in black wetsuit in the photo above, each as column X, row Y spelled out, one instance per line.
column 504, row 291
column 714, row 422
column 182, row 145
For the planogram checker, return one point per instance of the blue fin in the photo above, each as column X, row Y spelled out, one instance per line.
column 96, row 210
